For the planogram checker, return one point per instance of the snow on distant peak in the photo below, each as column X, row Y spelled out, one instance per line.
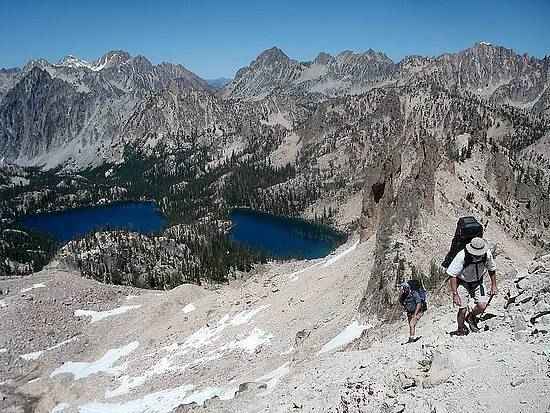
column 485, row 43
column 108, row 60
column 75, row 62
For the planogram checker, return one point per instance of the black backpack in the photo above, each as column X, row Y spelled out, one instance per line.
column 467, row 228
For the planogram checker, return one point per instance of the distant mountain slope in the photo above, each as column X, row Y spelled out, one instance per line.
column 493, row 72
column 76, row 111
column 347, row 72
column 218, row 83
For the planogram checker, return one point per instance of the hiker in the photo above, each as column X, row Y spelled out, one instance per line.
column 413, row 299
column 467, row 272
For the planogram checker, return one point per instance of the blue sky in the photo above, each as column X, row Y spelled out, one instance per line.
column 215, row 38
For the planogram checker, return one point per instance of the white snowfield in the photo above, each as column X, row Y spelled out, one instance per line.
column 100, row 315
column 105, row 364
column 163, row 401
column 199, row 349
column 60, row 407
column 159, row 402
column 34, row 286
column 249, row 344
column 325, row 263
column 36, row 354
column 189, row 308
column 244, row 317
column 350, row 333
column 341, row 255
column 271, row 379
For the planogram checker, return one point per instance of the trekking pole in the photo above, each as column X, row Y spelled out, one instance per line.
column 488, row 302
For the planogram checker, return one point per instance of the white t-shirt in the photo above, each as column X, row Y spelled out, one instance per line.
column 470, row 273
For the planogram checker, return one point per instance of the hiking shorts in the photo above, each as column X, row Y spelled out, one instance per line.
column 477, row 291
column 411, row 307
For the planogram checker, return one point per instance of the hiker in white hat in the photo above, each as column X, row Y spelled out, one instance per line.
column 467, row 271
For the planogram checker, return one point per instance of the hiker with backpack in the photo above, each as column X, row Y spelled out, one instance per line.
column 413, row 298
column 467, row 273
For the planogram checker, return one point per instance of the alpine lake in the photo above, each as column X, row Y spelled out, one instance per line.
column 274, row 236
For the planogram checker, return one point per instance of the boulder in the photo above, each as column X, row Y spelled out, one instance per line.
column 519, row 323
column 441, row 369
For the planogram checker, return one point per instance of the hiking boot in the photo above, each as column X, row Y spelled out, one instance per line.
column 460, row 332
column 472, row 323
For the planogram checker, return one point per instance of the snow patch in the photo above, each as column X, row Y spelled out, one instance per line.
column 194, row 350
column 32, row 356
column 350, row 333
column 60, row 407
column 341, row 255
column 245, row 317
column 189, row 308
column 295, row 274
column 249, row 344
column 3, row 304
column 160, row 402
column 35, row 355
column 105, row 364
column 201, row 396
column 271, row 379
column 128, row 383
column 34, row 286
column 3, row 350
column 100, row 315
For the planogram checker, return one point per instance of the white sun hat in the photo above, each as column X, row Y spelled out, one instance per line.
column 477, row 246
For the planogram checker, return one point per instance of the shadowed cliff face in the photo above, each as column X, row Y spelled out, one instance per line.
column 39, row 114
column 397, row 200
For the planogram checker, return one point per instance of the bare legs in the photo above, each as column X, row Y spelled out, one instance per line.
column 412, row 323
column 463, row 314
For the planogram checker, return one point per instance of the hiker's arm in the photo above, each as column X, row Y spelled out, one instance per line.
column 454, row 286
column 493, row 275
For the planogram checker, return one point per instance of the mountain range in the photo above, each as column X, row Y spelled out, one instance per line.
column 85, row 113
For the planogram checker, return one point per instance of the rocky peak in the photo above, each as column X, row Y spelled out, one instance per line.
column 112, row 59
column 141, row 64
column 36, row 75
column 323, row 59
column 41, row 63
column 271, row 55
column 369, row 55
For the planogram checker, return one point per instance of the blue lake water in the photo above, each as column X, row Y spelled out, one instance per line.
column 281, row 237
column 63, row 226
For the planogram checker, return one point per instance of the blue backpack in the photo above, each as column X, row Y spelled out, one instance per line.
column 415, row 285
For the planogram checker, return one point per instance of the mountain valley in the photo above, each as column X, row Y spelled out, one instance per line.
column 388, row 153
